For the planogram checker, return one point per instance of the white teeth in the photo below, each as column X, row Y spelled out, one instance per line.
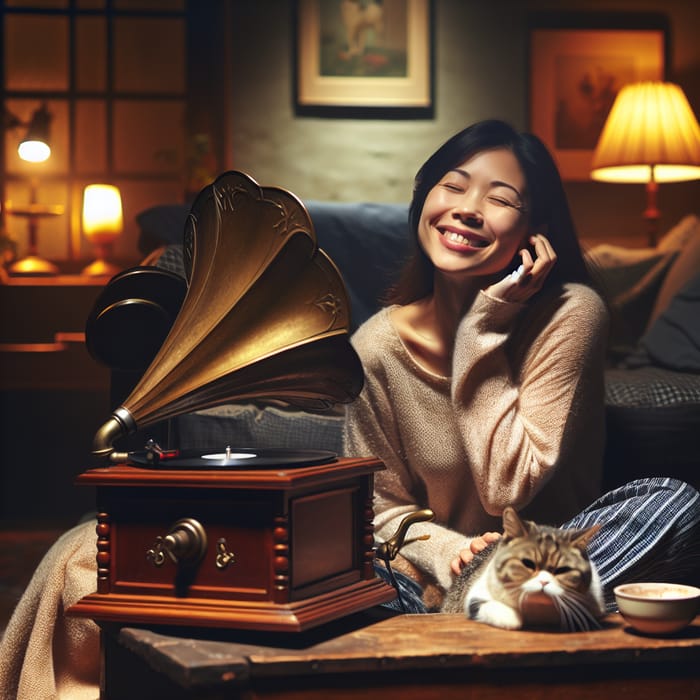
column 463, row 240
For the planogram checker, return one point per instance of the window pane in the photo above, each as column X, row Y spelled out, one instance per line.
column 149, row 55
column 91, row 53
column 90, row 136
column 162, row 5
column 36, row 52
column 149, row 136
column 54, row 4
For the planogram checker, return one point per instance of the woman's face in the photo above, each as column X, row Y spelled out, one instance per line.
column 474, row 220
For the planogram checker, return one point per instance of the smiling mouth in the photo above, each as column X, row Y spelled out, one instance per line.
column 460, row 239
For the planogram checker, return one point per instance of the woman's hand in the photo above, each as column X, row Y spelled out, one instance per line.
column 521, row 284
column 478, row 544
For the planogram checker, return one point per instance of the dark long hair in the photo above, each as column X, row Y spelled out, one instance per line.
column 547, row 204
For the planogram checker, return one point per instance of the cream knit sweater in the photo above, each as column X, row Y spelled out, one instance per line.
column 519, row 422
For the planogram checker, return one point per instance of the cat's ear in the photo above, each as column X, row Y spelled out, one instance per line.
column 513, row 526
column 581, row 538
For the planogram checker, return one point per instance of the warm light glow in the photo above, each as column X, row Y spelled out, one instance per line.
column 34, row 151
column 651, row 134
column 102, row 213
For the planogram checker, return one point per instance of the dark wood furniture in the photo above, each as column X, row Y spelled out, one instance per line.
column 53, row 396
column 406, row 657
column 278, row 548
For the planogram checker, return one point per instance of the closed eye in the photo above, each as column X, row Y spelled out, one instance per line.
column 501, row 202
column 562, row 570
column 529, row 564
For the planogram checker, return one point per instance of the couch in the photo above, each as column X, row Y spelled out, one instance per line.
column 653, row 377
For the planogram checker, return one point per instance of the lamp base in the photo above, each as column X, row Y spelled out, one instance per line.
column 33, row 266
column 101, row 268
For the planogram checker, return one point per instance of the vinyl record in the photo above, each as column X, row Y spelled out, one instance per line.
column 233, row 458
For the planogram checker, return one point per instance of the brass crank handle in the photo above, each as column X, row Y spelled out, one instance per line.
column 185, row 543
column 390, row 548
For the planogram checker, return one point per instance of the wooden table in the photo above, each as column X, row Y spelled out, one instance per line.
column 405, row 656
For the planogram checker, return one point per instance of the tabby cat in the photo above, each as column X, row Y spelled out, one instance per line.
column 533, row 576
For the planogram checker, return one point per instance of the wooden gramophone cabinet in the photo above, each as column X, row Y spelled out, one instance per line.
column 271, row 550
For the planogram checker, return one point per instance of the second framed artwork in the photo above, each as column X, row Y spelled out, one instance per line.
column 575, row 75
column 363, row 56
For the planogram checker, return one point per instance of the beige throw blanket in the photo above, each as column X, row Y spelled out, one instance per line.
column 45, row 654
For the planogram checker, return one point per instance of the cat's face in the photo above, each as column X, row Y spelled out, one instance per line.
column 542, row 561
column 544, row 572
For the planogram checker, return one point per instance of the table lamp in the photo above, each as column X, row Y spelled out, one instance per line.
column 650, row 136
column 34, row 148
column 102, row 225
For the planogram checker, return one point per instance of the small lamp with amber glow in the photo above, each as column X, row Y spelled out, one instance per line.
column 650, row 136
column 102, row 225
column 34, row 148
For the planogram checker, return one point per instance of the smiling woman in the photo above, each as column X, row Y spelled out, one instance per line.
column 473, row 220
column 484, row 375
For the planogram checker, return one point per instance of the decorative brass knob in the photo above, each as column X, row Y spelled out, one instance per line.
column 185, row 544
column 224, row 557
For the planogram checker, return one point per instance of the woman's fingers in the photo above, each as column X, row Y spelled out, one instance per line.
column 460, row 561
column 477, row 544
column 519, row 285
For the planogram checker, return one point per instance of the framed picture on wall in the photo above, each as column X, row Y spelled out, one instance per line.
column 577, row 67
column 361, row 57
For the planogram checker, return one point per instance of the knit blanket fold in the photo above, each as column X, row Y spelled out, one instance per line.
column 45, row 654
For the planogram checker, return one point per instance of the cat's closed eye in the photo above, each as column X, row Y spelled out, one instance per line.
column 529, row 564
column 562, row 570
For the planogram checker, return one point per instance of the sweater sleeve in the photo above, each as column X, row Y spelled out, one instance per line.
column 370, row 429
column 518, row 404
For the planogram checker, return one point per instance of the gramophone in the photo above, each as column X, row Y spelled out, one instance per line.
column 240, row 537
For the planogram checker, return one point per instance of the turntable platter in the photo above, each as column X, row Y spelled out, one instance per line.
column 232, row 458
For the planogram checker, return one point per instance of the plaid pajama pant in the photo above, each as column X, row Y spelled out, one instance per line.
column 650, row 531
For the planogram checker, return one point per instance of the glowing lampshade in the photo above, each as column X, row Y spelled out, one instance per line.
column 102, row 225
column 651, row 135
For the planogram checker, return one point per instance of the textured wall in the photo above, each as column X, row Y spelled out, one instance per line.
column 481, row 70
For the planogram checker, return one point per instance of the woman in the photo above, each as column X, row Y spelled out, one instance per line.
column 484, row 376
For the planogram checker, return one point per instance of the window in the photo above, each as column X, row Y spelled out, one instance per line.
column 113, row 75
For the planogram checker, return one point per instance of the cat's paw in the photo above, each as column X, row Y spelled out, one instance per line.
column 497, row 614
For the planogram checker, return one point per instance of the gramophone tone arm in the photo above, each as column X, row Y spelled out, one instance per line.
column 388, row 550
column 119, row 424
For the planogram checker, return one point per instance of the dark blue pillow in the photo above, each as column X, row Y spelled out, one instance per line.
column 368, row 242
column 161, row 225
column 673, row 341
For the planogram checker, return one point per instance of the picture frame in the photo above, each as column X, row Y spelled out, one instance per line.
column 577, row 67
column 362, row 58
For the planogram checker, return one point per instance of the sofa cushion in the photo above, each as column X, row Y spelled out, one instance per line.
column 630, row 280
column 651, row 387
column 684, row 267
column 680, row 235
column 673, row 341
column 249, row 425
column 368, row 242
column 161, row 225
column 651, row 420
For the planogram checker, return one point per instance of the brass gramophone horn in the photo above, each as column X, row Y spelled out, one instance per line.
column 266, row 315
